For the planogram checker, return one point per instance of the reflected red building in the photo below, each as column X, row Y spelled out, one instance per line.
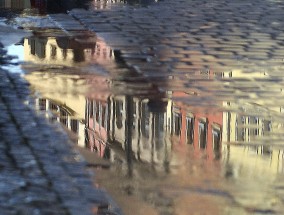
column 199, row 128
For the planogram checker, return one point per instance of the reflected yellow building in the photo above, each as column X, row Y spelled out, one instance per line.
column 248, row 125
column 67, row 51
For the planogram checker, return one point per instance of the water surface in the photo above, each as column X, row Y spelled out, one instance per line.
column 202, row 142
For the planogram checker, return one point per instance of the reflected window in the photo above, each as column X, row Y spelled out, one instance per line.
column 53, row 107
column 119, row 113
column 91, row 108
column 101, row 113
column 74, row 125
column 53, row 51
column 255, row 121
column 240, row 129
column 103, row 119
column 266, row 126
column 202, row 129
column 177, row 123
column 216, row 133
column 42, row 104
column 63, row 117
column 189, row 129
column 134, row 117
column 158, row 125
column 33, row 46
column 145, row 116
column 40, row 49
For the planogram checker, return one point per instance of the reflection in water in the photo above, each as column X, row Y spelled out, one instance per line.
column 62, row 6
column 107, row 4
column 124, row 129
column 66, row 51
column 44, row 6
column 39, row 5
column 164, row 150
column 126, row 122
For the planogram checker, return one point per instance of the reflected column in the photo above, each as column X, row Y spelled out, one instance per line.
column 159, row 145
column 128, row 133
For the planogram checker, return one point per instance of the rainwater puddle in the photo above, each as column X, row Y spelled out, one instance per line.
column 152, row 148
column 212, row 146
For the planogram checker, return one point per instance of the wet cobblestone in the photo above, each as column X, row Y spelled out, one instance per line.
column 171, row 43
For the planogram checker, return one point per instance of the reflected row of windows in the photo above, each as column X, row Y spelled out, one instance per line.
column 59, row 113
column 196, row 131
column 250, row 126
column 99, row 111
column 192, row 130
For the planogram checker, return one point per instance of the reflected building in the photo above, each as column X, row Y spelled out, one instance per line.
column 75, row 112
column 67, row 51
column 96, row 127
column 197, row 128
column 132, row 127
column 145, row 130
column 248, row 134
column 39, row 5
column 108, row 127
column 151, row 134
column 59, row 112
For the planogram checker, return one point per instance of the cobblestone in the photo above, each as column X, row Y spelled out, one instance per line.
column 171, row 43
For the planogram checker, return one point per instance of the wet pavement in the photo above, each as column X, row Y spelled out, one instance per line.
column 176, row 105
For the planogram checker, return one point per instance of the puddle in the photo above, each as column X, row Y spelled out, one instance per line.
column 164, row 155
column 206, row 147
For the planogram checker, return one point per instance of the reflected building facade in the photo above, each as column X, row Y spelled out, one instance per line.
column 249, row 132
column 197, row 128
column 136, row 128
column 153, row 135
column 66, row 51
column 114, row 131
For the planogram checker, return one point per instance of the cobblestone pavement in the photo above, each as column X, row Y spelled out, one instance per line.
column 179, row 40
column 40, row 173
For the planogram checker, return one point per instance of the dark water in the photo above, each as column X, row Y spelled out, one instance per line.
column 173, row 150
column 43, row 7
